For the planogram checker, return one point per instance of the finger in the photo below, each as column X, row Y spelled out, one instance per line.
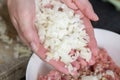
column 80, row 13
column 70, row 4
column 92, row 43
column 16, row 25
column 26, row 23
column 29, row 33
column 90, row 13
column 22, row 38
column 59, row 66
column 86, row 8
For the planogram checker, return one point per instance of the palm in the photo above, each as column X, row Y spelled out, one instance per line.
column 92, row 44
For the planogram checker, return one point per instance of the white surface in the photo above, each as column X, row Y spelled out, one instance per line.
column 105, row 39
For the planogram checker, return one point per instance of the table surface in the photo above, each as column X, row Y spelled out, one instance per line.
column 109, row 16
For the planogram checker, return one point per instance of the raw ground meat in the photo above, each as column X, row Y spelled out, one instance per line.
column 103, row 69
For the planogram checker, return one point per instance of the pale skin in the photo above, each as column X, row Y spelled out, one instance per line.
column 22, row 13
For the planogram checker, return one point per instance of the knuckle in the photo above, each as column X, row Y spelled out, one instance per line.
column 27, row 35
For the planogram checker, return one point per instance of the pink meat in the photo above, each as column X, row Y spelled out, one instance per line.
column 103, row 59
column 49, row 6
column 53, row 75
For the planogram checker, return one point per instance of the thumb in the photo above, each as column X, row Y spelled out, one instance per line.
column 29, row 33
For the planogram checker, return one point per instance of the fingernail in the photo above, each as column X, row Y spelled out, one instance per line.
column 96, row 18
column 34, row 46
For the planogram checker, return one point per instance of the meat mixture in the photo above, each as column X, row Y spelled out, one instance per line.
column 103, row 69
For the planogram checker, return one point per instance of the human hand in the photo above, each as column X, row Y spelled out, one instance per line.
column 89, row 29
column 22, row 13
column 83, row 7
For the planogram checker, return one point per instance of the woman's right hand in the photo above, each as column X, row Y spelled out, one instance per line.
column 83, row 7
